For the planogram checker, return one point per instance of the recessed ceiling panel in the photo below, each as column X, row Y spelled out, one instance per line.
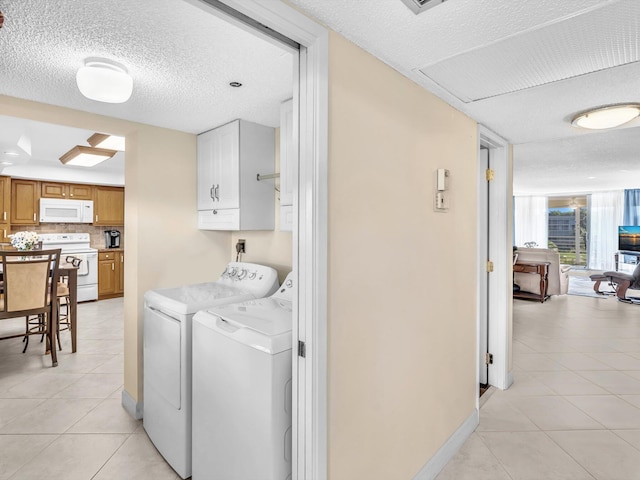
column 596, row 40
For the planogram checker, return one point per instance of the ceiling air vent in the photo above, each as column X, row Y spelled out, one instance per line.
column 419, row 6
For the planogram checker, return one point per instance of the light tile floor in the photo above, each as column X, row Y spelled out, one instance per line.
column 573, row 411
column 67, row 422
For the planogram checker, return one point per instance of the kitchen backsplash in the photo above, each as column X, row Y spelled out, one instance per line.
column 97, row 233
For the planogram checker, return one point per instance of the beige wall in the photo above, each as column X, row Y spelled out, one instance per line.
column 272, row 248
column 402, row 278
column 163, row 245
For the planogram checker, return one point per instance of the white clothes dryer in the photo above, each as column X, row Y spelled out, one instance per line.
column 168, row 316
column 242, row 393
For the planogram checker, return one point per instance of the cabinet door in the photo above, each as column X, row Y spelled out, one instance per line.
column 5, row 198
column 106, row 277
column 206, row 183
column 80, row 192
column 218, row 168
column 120, row 272
column 53, row 190
column 226, row 165
column 288, row 157
column 108, row 208
column 24, row 202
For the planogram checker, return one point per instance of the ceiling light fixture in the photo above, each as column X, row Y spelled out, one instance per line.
column 12, row 154
column 607, row 117
column 86, row 156
column 102, row 140
column 104, row 81
column 1, row 19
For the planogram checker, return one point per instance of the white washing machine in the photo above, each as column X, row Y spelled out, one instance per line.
column 242, row 389
column 167, row 352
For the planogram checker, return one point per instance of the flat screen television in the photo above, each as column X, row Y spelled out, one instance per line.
column 629, row 239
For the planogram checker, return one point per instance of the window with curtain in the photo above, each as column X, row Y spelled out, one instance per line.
column 530, row 221
column 606, row 211
column 632, row 207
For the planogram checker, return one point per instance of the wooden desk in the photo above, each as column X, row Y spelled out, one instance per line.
column 536, row 268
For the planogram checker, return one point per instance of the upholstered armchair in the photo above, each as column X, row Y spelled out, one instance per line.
column 558, row 273
column 621, row 281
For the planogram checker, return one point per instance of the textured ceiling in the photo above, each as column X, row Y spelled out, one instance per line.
column 530, row 66
column 181, row 59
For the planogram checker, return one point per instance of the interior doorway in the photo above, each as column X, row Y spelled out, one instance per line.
column 484, row 240
column 310, row 106
column 494, row 260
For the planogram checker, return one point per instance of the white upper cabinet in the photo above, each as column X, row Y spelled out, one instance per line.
column 288, row 163
column 230, row 158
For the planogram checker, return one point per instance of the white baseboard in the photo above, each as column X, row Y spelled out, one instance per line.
column 132, row 407
column 435, row 465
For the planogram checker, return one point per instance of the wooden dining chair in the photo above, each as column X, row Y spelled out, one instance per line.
column 30, row 280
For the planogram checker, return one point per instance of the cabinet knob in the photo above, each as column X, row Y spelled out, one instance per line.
column 215, row 212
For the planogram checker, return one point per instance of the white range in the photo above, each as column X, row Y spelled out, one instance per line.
column 78, row 245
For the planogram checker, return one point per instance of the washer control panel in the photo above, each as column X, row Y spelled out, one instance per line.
column 251, row 276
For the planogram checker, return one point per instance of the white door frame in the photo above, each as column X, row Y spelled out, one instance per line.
column 500, row 253
column 483, row 248
column 311, row 115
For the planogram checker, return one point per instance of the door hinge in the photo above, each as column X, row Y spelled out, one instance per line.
column 488, row 358
column 489, row 266
column 302, row 349
column 489, row 174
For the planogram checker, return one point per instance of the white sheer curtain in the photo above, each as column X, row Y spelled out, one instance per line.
column 606, row 210
column 530, row 221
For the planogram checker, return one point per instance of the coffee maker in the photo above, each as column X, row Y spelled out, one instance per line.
column 112, row 238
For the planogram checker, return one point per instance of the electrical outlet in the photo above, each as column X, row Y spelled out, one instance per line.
column 240, row 246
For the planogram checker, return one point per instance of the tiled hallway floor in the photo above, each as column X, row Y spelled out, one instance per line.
column 67, row 422
column 573, row 411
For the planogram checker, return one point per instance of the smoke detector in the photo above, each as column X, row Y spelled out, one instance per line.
column 419, row 6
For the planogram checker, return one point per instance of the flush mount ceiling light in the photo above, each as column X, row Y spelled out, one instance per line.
column 1, row 19
column 104, row 81
column 419, row 6
column 86, row 156
column 102, row 140
column 607, row 117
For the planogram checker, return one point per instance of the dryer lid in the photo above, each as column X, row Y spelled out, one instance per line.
column 188, row 299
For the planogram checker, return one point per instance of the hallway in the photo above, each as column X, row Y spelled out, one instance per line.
column 573, row 411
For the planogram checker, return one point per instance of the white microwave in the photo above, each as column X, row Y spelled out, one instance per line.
column 56, row 210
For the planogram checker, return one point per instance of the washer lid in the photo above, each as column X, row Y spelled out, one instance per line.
column 263, row 324
column 188, row 299
column 268, row 316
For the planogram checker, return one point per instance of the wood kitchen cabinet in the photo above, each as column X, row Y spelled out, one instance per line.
column 70, row 191
column 230, row 197
column 110, row 274
column 24, row 202
column 5, row 208
column 108, row 206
